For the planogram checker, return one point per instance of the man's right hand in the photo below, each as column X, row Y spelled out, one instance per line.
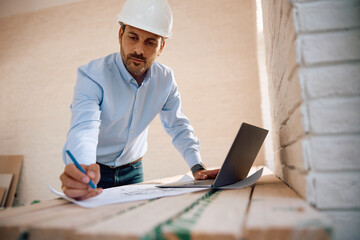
column 75, row 184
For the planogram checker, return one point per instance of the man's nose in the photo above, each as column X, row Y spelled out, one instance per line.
column 139, row 49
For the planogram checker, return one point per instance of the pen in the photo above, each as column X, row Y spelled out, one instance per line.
column 92, row 185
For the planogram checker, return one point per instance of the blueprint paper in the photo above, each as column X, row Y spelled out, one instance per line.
column 127, row 193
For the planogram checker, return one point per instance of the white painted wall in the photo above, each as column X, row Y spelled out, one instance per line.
column 12, row 7
column 213, row 57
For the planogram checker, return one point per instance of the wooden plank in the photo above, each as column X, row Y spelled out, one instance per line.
column 19, row 211
column 277, row 212
column 56, row 222
column 5, row 182
column 230, row 207
column 65, row 226
column 140, row 222
column 14, row 227
column 11, row 164
column 57, row 213
column 2, row 196
column 219, row 217
column 57, row 218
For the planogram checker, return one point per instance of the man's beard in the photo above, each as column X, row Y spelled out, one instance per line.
column 133, row 67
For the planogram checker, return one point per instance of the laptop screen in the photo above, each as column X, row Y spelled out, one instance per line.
column 241, row 155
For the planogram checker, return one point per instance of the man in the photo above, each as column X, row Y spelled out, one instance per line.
column 116, row 98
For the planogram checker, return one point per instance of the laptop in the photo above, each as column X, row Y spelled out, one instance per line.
column 238, row 161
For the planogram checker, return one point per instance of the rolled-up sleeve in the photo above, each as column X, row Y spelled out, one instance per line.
column 83, row 135
column 177, row 125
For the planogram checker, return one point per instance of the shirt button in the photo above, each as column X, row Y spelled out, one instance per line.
column 135, row 110
column 132, row 131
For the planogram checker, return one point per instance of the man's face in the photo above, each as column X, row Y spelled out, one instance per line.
column 139, row 49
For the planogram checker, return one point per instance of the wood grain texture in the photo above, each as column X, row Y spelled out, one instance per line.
column 277, row 212
column 219, row 218
column 140, row 221
column 19, row 211
column 64, row 227
column 11, row 164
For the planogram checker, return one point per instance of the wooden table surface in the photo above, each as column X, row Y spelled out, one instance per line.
column 268, row 210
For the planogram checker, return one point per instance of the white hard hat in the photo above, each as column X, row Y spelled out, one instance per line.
column 153, row 16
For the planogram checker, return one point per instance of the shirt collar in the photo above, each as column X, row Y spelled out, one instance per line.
column 126, row 75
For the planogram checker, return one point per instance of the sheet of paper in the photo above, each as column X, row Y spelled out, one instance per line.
column 247, row 182
column 128, row 193
column 187, row 177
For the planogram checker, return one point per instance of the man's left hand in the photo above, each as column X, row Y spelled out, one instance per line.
column 206, row 174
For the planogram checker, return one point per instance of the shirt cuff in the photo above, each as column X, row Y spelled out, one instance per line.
column 193, row 158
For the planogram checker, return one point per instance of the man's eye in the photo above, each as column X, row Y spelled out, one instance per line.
column 151, row 43
column 132, row 37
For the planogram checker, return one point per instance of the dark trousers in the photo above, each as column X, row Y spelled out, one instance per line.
column 128, row 174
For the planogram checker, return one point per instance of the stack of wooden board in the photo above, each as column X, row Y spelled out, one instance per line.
column 268, row 210
column 10, row 167
column 5, row 184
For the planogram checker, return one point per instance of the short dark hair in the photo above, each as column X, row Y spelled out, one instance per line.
column 122, row 26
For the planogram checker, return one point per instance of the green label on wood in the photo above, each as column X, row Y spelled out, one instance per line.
column 181, row 224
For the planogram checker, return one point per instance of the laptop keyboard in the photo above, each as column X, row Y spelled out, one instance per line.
column 200, row 182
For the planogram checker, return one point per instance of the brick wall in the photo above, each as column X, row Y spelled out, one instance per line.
column 313, row 63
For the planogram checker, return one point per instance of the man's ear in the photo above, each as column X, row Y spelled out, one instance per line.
column 121, row 32
column 161, row 47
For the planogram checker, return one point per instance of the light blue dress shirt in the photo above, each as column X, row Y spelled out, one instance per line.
column 111, row 114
